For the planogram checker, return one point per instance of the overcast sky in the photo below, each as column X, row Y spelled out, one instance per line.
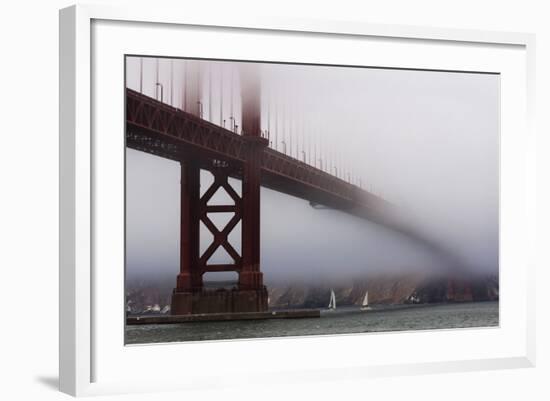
column 426, row 141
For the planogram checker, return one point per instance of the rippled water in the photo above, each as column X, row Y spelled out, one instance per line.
column 343, row 320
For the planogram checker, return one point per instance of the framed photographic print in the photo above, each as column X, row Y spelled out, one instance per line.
column 238, row 187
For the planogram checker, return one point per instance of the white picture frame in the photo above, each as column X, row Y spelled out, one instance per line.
column 80, row 344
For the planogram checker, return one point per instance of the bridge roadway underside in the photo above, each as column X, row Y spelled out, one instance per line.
column 362, row 204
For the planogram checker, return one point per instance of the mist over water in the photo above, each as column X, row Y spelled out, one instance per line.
column 425, row 141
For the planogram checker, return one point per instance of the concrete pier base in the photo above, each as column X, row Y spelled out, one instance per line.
column 219, row 301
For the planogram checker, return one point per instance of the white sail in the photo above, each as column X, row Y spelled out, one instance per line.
column 332, row 303
column 366, row 299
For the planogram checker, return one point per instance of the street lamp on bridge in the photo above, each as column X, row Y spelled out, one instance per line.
column 161, row 91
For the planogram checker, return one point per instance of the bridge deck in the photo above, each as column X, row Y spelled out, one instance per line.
column 160, row 129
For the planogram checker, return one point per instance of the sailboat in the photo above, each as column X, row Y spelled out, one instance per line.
column 332, row 303
column 365, row 304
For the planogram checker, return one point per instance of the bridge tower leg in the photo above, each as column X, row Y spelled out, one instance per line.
column 189, row 279
column 250, row 277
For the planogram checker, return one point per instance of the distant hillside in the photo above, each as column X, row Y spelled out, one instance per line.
column 154, row 295
column 387, row 289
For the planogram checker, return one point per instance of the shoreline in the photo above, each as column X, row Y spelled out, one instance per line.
column 218, row 317
column 302, row 313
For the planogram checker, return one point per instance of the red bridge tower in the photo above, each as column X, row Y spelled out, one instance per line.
column 189, row 296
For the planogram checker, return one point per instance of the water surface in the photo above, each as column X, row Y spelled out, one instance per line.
column 340, row 321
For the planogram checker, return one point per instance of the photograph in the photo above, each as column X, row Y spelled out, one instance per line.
column 273, row 199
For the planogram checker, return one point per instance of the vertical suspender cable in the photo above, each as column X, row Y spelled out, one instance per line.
column 276, row 124
column 184, row 84
column 141, row 75
column 157, row 80
column 171, row 82
column 210, row 92
column 231, row 83
column 221, row 95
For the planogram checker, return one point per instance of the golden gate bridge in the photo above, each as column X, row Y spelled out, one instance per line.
column 235, row 144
